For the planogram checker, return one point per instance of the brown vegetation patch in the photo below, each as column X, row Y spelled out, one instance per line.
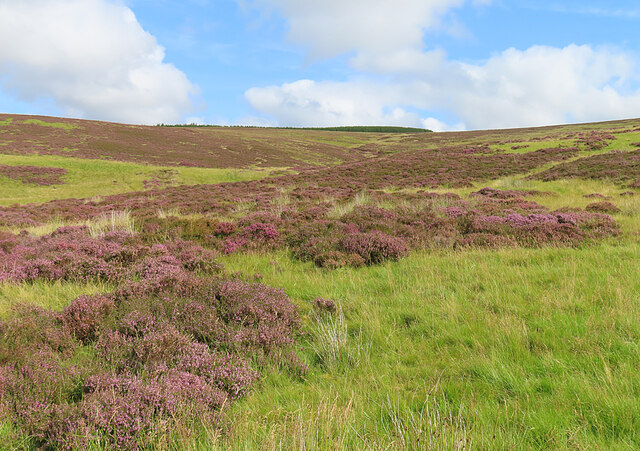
column 621, row 167
column 34, row 175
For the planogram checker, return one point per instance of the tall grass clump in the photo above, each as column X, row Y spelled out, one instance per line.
column 115, row 221
column 340, row 209
column 331, row 337
column 431, row 426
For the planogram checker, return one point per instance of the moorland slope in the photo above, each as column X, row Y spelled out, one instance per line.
column 247, row 288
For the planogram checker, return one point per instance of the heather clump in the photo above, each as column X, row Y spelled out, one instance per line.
column 325, row 305
column 374, row 247
column 595, row 140
column 505, row 193
column 258, row 235
column 71, row 253
column 602, row 207
column 126, row 368
column 538, row 229
column 37, row 391
column 596, row 196
column 83, row 317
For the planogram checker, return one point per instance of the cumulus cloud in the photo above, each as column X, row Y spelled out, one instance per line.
column 332, row 27
column 405, row 80
column 408, row 83
column 545, row 85
column 310, row 103
column 93, row 58
column 538, row 86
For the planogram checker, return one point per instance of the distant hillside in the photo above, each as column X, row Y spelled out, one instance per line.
column 368, row 129
column 250, row 147
column 349, row 128
column 214, row 147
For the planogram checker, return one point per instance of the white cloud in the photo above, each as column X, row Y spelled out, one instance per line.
column 544, row 85
column 309, row 103
column 538, row 86
column 407, row 82
column 333, row 27
column 436, row 125
column 91, row 57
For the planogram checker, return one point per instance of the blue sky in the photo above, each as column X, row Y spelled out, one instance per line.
column 442, row 64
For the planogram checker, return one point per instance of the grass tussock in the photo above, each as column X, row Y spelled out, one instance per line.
column 116, row 221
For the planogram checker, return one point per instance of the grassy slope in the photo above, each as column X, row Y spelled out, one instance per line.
column 219, row 147
column 518, row 348
column 241, row 147
column 88, row 178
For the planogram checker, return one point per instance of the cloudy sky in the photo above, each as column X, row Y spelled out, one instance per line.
column 440, row 64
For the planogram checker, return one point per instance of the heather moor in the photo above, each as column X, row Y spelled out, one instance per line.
column 367, row 288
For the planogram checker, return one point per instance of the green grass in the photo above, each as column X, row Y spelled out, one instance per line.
column 89, row 178
column 50, row 295
column 516, row 348
column 62, row 125
column 624, row 141
column 533, row 146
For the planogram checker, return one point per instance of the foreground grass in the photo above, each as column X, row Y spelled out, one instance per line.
column 516, row 348
column 89, row 178
column 489, row 350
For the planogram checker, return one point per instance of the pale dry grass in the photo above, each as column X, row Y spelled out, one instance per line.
column 339, row 210
column 331, row 343
column 164, row 214
column 112, row 222
column 432, row 426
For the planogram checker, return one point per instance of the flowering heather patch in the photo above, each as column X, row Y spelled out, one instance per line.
column 595, row 140
column 538, row 229
column 369, row 234
column 34, row 175
column 364, row 234
column 507, row 193
column 147, row 358
column 70, row 253
column 412, row 169
column 372, row 235
column 374, row 247
column 620, row 167
column 454, row 167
